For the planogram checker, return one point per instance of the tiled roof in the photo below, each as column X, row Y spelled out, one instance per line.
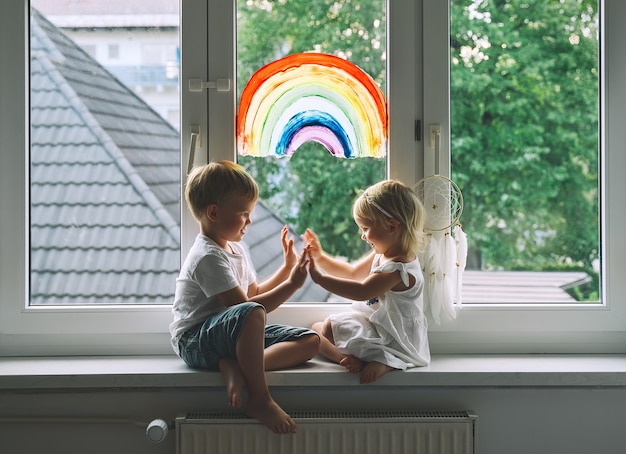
column 98, row 232
column 105, row 209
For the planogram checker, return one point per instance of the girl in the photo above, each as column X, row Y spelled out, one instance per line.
column 386, row 328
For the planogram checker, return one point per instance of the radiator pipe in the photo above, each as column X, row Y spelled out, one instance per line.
column 156, row 430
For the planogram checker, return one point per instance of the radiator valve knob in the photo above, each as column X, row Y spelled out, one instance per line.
column 157, row 431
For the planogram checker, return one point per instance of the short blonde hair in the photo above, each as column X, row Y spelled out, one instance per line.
column 214, row 183
column 393, row 199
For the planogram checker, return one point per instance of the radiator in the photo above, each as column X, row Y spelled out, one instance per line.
column 397, row 432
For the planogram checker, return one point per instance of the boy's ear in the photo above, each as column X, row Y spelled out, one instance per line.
column 211, row 212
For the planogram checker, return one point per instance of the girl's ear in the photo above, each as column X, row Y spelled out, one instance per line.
column 211, row 212
column 393, row 225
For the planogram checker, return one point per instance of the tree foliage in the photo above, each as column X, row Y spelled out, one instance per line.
column 524, row 84
column 524, row 121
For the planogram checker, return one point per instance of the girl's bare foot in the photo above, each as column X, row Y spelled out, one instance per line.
column 269, row 413
column 235, row 381
column 373, row 371
column 352, row 363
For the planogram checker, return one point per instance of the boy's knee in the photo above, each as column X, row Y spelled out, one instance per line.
column 312, row 344
column 256, row 317
column 257, row 312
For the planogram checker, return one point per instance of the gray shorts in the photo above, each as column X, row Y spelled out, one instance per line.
column 205, row 344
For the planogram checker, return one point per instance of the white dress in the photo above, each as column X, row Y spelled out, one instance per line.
column 391, row 329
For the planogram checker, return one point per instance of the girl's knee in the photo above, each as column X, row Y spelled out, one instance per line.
column 317, row 327
column 323, row 328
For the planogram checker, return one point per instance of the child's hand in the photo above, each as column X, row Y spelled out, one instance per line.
column 314, row 247
column 299, row 271
column 314, row 272
column 289, row 254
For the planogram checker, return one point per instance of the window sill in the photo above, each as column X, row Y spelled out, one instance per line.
column 167, row 371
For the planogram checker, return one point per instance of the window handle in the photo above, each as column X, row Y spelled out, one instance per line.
column 197, row 85
column 435, row 144
column 194, row 142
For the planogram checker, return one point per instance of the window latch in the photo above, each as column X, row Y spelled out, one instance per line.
column 197, row 85
column 195, row 141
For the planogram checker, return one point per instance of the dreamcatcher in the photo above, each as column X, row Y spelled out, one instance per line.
column 444, row 258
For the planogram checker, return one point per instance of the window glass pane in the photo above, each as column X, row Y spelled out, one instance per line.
column 104, row 157
column 524, row 145
column 312, row 188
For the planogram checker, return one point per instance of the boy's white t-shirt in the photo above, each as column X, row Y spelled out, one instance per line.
column 208, row 270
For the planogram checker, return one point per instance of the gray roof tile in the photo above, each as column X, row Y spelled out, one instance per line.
column 97, row 231
column 105, row 190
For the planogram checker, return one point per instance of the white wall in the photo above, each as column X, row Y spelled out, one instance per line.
column 511, row 420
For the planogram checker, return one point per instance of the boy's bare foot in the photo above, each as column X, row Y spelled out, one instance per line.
column 352, row 363
column 373, row 371
column 235, row 381
column 269, row 413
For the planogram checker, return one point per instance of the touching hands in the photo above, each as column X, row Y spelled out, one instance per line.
column 314, row 251
column 314, row 271
column 314, row 247
column 298, row 264
column 299, row 272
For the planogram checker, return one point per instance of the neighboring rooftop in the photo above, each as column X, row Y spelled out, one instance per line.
column 532, row 287
column 105, row 187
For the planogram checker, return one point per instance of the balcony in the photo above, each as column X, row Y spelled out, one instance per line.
column 147, row 75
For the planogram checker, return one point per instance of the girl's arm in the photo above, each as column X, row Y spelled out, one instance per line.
column 358, row 270
column 372, row 286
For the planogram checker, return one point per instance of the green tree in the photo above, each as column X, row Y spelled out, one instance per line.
column 524, row 102
column 524, row 93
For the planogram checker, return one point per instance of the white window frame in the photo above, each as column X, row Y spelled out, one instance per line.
column 208, row 54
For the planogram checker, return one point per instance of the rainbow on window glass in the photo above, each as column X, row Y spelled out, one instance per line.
column 312, row 97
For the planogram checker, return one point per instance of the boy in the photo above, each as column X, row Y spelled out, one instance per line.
column 216, row 325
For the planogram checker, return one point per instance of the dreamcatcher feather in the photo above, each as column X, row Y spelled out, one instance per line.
column 445, row 255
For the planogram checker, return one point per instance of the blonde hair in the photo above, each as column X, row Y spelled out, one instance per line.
column 393, row 199
column 215, row 183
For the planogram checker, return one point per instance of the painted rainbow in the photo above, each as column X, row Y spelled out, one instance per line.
column 312, row 97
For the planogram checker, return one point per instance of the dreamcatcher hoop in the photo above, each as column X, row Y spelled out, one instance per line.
column 442, row 200
column 445, row 255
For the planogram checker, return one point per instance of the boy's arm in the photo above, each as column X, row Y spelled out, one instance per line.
column 273, row 298
column 290, row 260
column 233, row 296
column 270, row 300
